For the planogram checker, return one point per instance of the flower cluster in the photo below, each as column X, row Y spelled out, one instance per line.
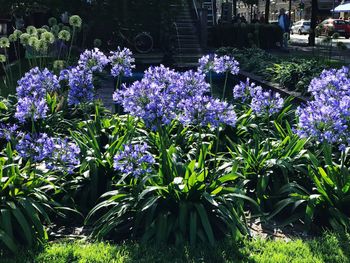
column 205, row 110
column 7, row 131
column 327, row 117
column 266, row 102
column 245, row 90
column 65, row 156
column 206, row 63
column 262, row 102
column 226, row 64
column 217, row 64
column 164, row 95
column 56, row 152
column 134, row 160
column 93, row 59
column 31, row 93
column 35, row 146
column 122, row 62
column 80, row 82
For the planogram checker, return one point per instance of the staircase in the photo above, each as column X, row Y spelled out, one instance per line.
column 188, row 46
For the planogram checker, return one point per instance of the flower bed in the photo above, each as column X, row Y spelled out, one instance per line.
column 180, row 166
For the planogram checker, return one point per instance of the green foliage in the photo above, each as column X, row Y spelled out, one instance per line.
column 182, row 202
column 23, row 203
column 295, row 74
column 328, row 202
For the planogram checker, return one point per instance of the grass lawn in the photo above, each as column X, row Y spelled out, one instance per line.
column 329, row 248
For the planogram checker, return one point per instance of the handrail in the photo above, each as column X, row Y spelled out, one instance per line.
column 195, row 8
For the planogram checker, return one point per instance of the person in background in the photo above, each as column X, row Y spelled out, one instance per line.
column 284, row 23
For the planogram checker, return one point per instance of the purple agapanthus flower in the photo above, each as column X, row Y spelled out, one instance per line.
column 35, row 146
column 226, row 64
column 122, row 62
column 81, row 87
column 327, row 117
column 93, row 60
column 56, row 153
column 205, row 110
column 266, row 102
column 8, row 131
column 31, row 92
column 65, row 156
column 36, row 83
column 31, row 109
column 206, row 63
column 134, row 160
column 245, row 90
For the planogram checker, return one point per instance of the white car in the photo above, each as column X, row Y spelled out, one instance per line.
column 300, row 27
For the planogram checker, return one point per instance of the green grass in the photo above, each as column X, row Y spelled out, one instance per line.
column 329, row 248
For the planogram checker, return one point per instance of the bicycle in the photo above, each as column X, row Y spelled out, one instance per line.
column 142, row 42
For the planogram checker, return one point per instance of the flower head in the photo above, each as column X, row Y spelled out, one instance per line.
column 64, row 35
column 2, row 58
column 205, row 110
column 48, row 37
column 75, row 21
column 226, row 64
column 80, row 82
column 24, row 39
column 93, row 60
column 31, row 30
column 266, row 102
column 52, row 21
column 122, row 62
column 206, row 63
column 245, row 90
column 134, row 160
column 4, row 42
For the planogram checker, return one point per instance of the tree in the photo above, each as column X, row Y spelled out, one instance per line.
column 312, row 35
column 267, row 11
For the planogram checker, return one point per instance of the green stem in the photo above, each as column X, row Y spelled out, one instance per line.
column 211, row 82
column 226, row 78
column 71, row 45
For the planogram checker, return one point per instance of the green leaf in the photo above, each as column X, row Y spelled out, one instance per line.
column 205, row 222
column 3, row 106
column 8, row 241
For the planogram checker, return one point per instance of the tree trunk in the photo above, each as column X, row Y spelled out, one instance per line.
column 267, row 11
column 312, row 35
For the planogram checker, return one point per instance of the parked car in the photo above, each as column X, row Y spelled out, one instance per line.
column 300, row 27
column 330, row 26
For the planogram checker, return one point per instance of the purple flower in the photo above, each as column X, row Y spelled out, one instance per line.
column 58, row 154
column 8, row 131
column 226, row 64
column 93, row 60
column 36, row 83
column 31, row 109
column 31, row 92
column 327, row 117
column 122, row 62
column 134, row 160
column 205, row 110
column 65, row 156
column 266, row 102
column 80, row 82
column 245, row 90
column 206, row 63
column 37, row 146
